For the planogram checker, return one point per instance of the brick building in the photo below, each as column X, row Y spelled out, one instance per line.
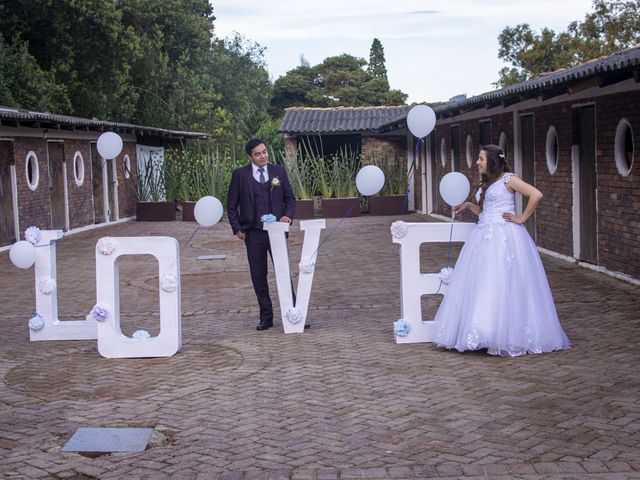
column 572, row 133
column 51, row 175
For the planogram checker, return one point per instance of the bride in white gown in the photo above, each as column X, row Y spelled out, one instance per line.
column 498, row 296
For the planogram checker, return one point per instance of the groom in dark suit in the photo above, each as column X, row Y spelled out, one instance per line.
column 258, row 189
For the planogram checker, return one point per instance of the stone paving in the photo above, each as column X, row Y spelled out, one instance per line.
column 341, row 401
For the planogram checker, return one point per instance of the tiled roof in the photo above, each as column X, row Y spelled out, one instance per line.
column 28, row 116
column 615, row 63
column 303, row 120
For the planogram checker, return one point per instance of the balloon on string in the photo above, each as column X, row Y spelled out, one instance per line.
column 22, row 254
column 208, row 211
column 420, row 120
column 369, row 180
column 454, row 188
column 109, row 145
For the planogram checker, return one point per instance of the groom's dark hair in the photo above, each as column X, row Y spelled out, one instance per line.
column 251, row 144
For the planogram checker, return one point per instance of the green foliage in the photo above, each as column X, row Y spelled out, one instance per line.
column 150, row 187
column 337, row 81
column 395, row 174
column 148, row 62
column 377, row 67
column 199, row 171
column 24, row 84
column 613, row 25
column 301, row 175
column 343, row 167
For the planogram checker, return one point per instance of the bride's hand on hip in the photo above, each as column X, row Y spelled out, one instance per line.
column 510, row 217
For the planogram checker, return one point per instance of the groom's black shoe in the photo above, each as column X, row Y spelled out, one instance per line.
column 264, row 324
column 307, row 325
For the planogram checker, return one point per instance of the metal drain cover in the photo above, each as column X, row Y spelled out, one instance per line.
column 109, row 440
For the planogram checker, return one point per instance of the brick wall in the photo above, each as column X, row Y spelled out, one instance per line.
column 554, row 215
column 618, row 196
column 34, row 206
column 378, row 148
column 80, row 197
column 127, row 195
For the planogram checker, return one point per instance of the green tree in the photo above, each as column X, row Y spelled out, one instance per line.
column 377, row 66
column 23, row 84
column 238, row 73
column 338, row 81
column 612, row 25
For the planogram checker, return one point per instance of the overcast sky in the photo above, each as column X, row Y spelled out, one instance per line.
column 434, row 49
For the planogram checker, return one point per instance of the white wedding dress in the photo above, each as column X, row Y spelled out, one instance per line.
column 498, row 296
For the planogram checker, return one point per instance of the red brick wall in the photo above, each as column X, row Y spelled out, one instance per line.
column 127, row 186
column 554, row 215
column 618, row 196
column 80, row 197
column 34, row 207
column 382, row 147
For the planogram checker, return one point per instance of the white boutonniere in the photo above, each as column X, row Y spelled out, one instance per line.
column 275, row 183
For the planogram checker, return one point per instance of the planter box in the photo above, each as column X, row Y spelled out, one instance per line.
column 387, row 205
column 155, row 211
column 187, row 211
column 304, row 209
column 338, row 207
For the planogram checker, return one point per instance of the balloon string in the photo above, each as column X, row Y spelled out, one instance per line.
column 192, row 235
column 355, row 202
column 449, row 251
column 409, row 175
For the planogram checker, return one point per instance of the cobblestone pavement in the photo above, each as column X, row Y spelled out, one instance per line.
column 341, row 401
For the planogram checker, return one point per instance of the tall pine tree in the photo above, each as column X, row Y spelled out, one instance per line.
column 376, row 66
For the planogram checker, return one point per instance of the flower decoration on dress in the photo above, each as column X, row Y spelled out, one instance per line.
column 36, row 323
column 32, row 235
column 47, row 285
column 445, row 275
column 99, row 313
column 268, row 218
column 141, row 335
column 106, row 246
column 169, row 282
column 401, row 328
column 275, row 183
column 306, row 267
column 399, row 229
column 294, row 315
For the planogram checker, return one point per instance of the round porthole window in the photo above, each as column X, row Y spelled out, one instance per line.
column 551, row 150
column 32, row 170
column 624, row 148
column 78, row 168
column 469, row 151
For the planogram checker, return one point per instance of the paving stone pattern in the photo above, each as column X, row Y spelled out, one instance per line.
column 341, row 401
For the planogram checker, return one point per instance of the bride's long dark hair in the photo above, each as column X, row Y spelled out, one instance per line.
column 496, row 166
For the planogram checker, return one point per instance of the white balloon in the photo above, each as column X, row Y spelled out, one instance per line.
column 454, row 188
column 369, row 180
column 109, row 145
column 22, row 254
column 208, row 211
column 420, row 120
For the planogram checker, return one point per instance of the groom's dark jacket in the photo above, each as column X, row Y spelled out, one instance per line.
column 241, row 207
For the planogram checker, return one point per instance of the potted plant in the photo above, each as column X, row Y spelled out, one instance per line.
column 152, row 202
column 392, row 197
column 303, row 182
column 336, row 179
